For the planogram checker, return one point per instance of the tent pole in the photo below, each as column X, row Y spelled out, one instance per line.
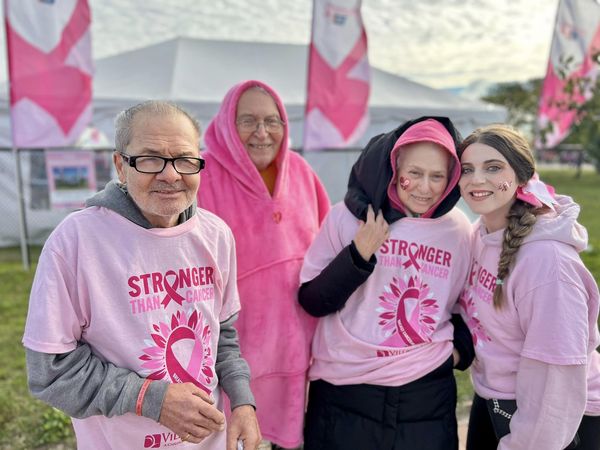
column 22, row 219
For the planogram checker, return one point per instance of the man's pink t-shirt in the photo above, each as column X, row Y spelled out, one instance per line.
column 148, row 300
column 395, row 328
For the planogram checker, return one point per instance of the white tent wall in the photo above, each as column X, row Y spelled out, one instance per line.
column 197, row 73
column 40, row 221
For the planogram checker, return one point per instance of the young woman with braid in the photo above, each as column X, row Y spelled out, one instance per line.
column 530, row 303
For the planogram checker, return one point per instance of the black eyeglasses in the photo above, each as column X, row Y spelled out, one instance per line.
column 184, row 165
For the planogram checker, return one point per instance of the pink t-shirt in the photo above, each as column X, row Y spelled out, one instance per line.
column 395, row 327
column 549, row 315
column 148, row 300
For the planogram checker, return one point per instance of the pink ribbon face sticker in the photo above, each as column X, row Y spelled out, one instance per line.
column 403, row 183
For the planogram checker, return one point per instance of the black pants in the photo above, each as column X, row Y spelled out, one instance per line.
column 417, row 416
column 481, row 434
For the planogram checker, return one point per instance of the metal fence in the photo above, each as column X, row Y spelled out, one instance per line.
column 332, row 167
column 40, row 216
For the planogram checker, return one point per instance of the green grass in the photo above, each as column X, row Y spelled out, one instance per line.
column 13, row 254
column 26, row 423
column 586, row 192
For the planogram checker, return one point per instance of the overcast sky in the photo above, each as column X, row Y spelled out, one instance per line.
column 442, row 43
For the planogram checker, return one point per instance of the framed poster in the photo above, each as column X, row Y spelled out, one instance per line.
column 71, row 178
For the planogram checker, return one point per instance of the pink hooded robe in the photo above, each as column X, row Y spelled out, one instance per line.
column 272, row 234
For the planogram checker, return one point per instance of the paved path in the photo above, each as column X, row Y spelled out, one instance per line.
column 462, row 432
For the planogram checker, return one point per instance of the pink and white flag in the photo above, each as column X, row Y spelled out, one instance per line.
column 338, row 76
column 576, row 40
column 50, row 70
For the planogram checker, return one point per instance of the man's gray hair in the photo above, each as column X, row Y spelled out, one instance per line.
column 124, row 120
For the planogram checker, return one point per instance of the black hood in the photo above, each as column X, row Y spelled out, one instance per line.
column 372, row 173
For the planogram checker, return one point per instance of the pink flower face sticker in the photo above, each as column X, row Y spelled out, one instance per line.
column 404, row 183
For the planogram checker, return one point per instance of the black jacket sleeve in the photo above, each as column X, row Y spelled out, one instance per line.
column 463, row 342
column 329, row 291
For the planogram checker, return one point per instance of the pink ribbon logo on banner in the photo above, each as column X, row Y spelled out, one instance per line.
column 338, row 77
column 50, row 71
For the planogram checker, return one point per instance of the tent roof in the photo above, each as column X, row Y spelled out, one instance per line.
column 198, row 70
column 197, row 73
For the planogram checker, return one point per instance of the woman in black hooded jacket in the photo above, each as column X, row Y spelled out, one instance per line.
column 385, row 290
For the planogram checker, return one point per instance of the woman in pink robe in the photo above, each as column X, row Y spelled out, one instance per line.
column 274, row 203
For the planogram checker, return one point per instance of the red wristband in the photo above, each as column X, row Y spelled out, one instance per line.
column 140, row 398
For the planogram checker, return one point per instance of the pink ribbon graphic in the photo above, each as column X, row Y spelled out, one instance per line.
column 171, row 292
column 176, row 371
column 406, row 319
column 412, row 258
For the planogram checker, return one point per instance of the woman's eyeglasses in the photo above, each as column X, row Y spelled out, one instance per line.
column 250, row 124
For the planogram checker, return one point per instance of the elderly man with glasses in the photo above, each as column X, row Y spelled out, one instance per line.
column 130, row 323
column 274, row 203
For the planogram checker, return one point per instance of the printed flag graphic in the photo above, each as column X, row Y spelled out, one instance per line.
column 338, row 76
column 50, row 70
column 576, row 41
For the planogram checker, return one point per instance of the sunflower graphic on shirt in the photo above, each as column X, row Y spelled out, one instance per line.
column 179, row 351
column 408, row 313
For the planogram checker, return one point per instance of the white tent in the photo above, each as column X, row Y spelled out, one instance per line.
column 197, row 73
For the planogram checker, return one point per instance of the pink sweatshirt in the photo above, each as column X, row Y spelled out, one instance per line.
column 549, row 321
column 272, row 234
column 395, row 327
column 156, row 313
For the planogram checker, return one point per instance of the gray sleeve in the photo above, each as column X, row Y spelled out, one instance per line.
column 231, row 368
column 82, row 385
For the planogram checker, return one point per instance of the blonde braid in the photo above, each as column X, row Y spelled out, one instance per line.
column 521, row 219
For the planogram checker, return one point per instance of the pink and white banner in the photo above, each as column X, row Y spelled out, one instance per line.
column 576, row 41
column 338, row 76
column 50, row 70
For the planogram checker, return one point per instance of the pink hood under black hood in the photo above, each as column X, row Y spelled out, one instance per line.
column 372, row 179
